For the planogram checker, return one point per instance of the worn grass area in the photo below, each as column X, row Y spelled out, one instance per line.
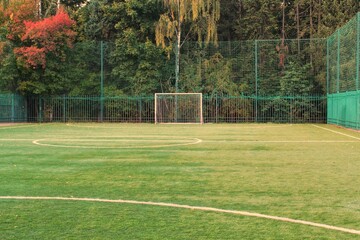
column 295, row 171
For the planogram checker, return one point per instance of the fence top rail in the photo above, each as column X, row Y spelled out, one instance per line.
column 97, row 98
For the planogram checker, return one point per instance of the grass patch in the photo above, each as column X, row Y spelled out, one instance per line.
column 295, row 171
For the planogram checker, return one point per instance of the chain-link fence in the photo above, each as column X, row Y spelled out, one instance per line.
column 216, row 109
column 343, row 75
column 242, row 81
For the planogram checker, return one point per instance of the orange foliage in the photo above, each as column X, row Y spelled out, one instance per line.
column 33, row 56
column 16, row 13
column 49, row 35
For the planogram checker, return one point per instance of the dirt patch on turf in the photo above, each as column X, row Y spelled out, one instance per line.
column 7, row 124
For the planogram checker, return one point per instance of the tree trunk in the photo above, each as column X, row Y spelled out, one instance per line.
column 319, row 16
column 177, row 61
column 311, row 19
column 39, row 9
column 177, row 52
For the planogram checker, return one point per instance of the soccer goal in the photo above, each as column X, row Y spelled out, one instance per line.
column 178, row 108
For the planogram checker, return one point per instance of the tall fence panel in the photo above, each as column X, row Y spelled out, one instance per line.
column 216, row 109
column 255, row 68
column 343, row 57
column 88, row 109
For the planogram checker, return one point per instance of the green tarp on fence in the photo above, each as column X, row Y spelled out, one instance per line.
column 12, row 108
column 344, row 109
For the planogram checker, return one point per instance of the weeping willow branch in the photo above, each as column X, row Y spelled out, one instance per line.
column 201, row 15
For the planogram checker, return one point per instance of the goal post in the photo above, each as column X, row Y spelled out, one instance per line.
column 178, row 108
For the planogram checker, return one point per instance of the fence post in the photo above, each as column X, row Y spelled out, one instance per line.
column 338, row 63
column 12, row 107
column 216, row 108
column 140, row 109
column 327, row 66
column 40, row 110
column 357, row 49
column 64, row 108
column 256, row 80
column 102, row 82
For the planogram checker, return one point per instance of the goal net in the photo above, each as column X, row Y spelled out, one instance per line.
column 178, row 108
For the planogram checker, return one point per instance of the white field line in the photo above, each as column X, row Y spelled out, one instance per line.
column 116, row 140
column 192, row 141
column 333, row 131
column 208, row 209
column 38, row 141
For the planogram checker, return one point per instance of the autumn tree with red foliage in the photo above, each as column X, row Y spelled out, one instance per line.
column 33, row 51
column 14, row 16
column 49, row 36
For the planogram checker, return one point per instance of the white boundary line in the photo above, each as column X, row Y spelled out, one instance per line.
column 193, row 142
column 333, row 131
column 112, row 139
column 208, row 209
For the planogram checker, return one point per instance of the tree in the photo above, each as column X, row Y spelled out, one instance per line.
column 4, row 4
column 12, row 17
column 31, row 49
column 97, row 20
column 199, row 17
column 138, row 63
column 48, row 36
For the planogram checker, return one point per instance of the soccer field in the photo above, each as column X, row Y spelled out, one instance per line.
column 212, row 181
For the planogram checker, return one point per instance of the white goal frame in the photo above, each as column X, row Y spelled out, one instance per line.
column 199, row 109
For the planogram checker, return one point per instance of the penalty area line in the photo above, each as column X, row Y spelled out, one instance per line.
column 199, row 208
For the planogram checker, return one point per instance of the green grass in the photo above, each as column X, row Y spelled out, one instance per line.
column 295, row 171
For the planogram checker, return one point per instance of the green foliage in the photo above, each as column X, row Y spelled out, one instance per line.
column 83, row 69
column 200, row 17
column 138, row 67
column 297, row 80
column 9, row 73
column 134, row 65
column 217, row 76
column 259, row 19
column 97, row 19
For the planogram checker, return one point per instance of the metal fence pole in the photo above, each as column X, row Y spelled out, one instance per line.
column 40, row 112
column 357, row 49
column 256, row 81
column 102, row 82
column 64, row 108
column 338, row 63
column 140, row 109
column 12, row 107
column 327, row 66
